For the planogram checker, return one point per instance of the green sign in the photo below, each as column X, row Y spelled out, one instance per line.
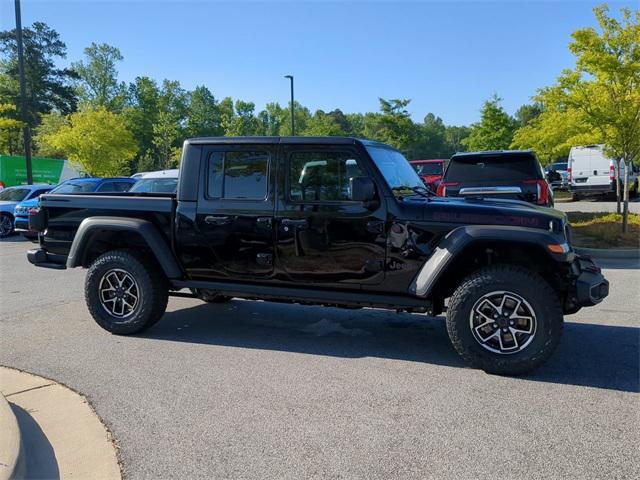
column 13, row 170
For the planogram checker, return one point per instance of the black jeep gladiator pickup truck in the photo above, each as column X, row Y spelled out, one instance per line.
column 335, row 221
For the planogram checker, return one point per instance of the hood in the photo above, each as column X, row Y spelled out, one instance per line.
column 490, row 211
column 29, row 203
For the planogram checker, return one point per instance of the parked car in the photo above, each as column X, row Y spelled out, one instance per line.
column 591, row 172
column 12, row 196
column 163, row 181
column 241, row 225
column 430, row 171
column 557, row 175
column 72, row 186
column 508, row 174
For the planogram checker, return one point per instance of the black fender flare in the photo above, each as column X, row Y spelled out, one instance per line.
column 91, row 226
column 456, row 241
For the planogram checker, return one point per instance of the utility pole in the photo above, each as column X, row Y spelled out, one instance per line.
column 23, row 95
column 293, row 121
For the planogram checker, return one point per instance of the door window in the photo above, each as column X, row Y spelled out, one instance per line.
column 238, row 175
column 321, row 176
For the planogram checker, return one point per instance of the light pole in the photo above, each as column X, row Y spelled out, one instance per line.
column 293, row 122
column 23, row 95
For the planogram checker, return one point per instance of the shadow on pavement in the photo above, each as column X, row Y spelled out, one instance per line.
column 590, row 355
column 14, row 239
column 39, row 457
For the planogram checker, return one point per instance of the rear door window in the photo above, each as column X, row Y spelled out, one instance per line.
column 238, row 175
column 492, row 169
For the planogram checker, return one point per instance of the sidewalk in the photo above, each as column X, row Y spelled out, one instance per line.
column 62, row 437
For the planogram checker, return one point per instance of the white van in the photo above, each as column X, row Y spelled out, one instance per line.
column 591, row 172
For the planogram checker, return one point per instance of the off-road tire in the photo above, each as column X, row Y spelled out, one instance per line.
column 152, row 285
column 528, row 285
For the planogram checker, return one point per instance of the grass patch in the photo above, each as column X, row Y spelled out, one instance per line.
column 604, row 230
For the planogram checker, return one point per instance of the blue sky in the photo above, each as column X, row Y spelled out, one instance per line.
column 446, row 56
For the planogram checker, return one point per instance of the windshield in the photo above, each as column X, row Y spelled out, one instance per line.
column 559, row 166
column 14, row 194
column 155, row 185
column 396, row 170
column 75, row 186
column 428, row 168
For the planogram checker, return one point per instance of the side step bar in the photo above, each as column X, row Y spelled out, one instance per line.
column 307, row 295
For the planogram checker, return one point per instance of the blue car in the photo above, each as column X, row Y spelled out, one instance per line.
column 12, row 196
column 72, row 186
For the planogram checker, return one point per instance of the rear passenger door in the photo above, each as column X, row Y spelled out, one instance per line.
column 234, row 215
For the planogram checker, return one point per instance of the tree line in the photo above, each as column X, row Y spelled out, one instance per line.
column 84, row 113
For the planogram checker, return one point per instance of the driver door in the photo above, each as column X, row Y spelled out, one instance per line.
column 322, row 236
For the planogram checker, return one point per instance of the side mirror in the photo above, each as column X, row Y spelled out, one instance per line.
column 362, row 189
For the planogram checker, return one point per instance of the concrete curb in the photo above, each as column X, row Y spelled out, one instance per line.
column 61, row 436
column 617, row 253
column 10, row 442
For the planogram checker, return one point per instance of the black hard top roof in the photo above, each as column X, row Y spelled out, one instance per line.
column 291, row 140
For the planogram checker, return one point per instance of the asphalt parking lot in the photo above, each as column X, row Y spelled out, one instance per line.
column 258, row 390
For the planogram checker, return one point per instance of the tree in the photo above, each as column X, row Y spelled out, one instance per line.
column 98, row 84
column 495, row 129
column 431, row 141
column 271, row 119
column 526, row 113
column 98, row 141
column 50, row 124
column 552, row 134
column 605, row 86
column 454, row 136
column 323, row 124
column 48, row 87
column 203, row 116
column 393, row 125
column 10, row 128
column 165, row 134
column 141, row 115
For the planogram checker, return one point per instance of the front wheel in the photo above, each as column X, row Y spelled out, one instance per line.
column 6, row 225
column 125, row 292
column 504, row 320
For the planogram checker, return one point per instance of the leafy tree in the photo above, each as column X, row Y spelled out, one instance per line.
column 48, row 87
column 393, row 125
column 356, row 124
column 526, row 113
column 203, row 116
column 97, row 140
column 50, row 123
column 10, row 128
column 323, row 124
column 302, row 116
column 98, row 84
column 454, row 137
column 431, row 141
column 165, row 134
column 552, row 134
column 242, row 122
column 271, row 119
column 605, row 86
column 141, row 115
column 495, row 129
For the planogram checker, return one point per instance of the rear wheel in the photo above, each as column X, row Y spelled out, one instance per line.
column 6, row 225
column 125, row 292
column 504, row 320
